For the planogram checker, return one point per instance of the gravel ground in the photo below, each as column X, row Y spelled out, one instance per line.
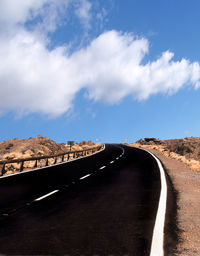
column 187, row 183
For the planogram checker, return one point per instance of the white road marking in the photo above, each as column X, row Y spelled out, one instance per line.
column 157, row 244
column 111, row 162
column 117, row 158
column 84, row 176
column 102, row 167
column 158, row 232
column 5, row 214
column 49, row 194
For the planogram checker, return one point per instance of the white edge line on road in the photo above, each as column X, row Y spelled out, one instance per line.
column 49, row 194
column 45, row 167
column 102, row 167
column 157, row 245
column 82, row 178
column 111, row 162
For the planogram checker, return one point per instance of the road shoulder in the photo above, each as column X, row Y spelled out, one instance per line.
column 187, row 184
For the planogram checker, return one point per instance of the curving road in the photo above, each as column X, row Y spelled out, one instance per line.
column 105, row 204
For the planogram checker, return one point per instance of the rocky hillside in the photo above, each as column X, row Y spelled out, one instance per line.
column 32, row 147
column 39, row 146
column 186, row 150
column 188, row 147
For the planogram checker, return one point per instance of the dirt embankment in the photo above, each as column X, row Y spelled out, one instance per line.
column 186, row 150
column 187, row 184
column 32, row 147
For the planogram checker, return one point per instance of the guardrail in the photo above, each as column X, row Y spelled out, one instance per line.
column 57, row 158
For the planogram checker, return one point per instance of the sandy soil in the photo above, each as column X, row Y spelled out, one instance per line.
column 187, row 184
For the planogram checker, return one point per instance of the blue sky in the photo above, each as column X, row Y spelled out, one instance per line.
column 104, row 70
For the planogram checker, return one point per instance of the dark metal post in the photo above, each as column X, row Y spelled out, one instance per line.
column 21, row 166
column 35, row 166
column 3, row 171
column 47, row 162
column 63, row 158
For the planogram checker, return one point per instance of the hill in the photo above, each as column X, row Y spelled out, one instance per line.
column 33, row 147
column 186, row 150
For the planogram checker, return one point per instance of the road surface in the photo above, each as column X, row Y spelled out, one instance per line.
column 105, row 204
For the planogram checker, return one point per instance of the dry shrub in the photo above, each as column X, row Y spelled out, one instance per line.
column 76, row 148
column 29, row 164
column 195, row 165
column 192, row 163
column 33, row 147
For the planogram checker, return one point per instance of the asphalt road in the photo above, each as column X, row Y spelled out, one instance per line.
column 111, row 212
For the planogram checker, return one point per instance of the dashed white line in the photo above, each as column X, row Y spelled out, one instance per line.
column 49, row 194
column 117, row 158
column 82, row 178
column 102, row 167
column 5, row 214
column 111, row 162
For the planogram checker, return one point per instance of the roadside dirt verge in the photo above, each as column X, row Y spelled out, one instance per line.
column 187, row 183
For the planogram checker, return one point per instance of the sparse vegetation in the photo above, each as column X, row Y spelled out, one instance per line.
column 32, row 147
column 186, row 150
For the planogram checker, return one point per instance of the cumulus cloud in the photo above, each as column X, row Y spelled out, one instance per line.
column 13, row 12
column 113, row 69
column 34, row 78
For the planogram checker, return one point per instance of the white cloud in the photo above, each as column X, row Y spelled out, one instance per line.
column 19, row 11
column 36, row 79
column 113, row 64
column 52, row 14
column 101, row 17
column 15, row 13
column 83, row 12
